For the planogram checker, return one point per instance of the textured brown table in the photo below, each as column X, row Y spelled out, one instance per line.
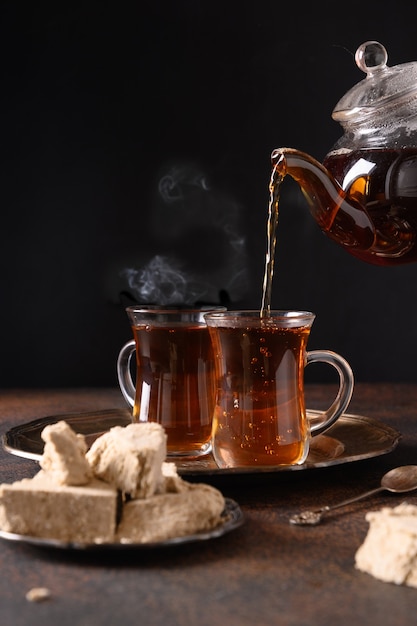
column 266, row 572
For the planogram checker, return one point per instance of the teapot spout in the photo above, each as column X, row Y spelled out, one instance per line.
column 339, row 214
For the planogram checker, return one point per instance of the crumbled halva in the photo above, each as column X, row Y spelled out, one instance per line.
column 389, row 551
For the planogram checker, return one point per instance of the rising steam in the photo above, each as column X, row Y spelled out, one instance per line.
column 201, row 253
column 162, row 281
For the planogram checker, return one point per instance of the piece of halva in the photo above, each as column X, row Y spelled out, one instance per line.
column 195, row 508
column 389, row 551
column 63, row 455
column 38, row 507
column 130, row 458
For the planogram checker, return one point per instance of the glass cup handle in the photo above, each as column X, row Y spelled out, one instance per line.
column 124, row 374
column 344, row 395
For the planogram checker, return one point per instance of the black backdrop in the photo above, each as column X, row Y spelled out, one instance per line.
column 136, row 142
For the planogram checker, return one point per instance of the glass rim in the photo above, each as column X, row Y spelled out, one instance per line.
column 175, row 309
column 257, row 312
column 286, row 317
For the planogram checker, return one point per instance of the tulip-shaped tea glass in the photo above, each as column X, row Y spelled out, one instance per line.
column 174, row 374
column 260, row 416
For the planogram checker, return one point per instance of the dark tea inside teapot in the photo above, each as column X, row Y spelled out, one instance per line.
column 364, row 195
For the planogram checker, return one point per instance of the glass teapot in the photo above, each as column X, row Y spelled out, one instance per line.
column 364, row 195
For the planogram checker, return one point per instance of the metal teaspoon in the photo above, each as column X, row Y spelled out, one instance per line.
column 397, row 480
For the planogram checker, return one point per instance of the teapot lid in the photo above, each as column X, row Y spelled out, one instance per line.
column 383, row 86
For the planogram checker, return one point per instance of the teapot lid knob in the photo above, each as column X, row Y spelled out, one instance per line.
column 371, row 57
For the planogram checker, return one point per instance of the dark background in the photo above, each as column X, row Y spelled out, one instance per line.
column 136, row 141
